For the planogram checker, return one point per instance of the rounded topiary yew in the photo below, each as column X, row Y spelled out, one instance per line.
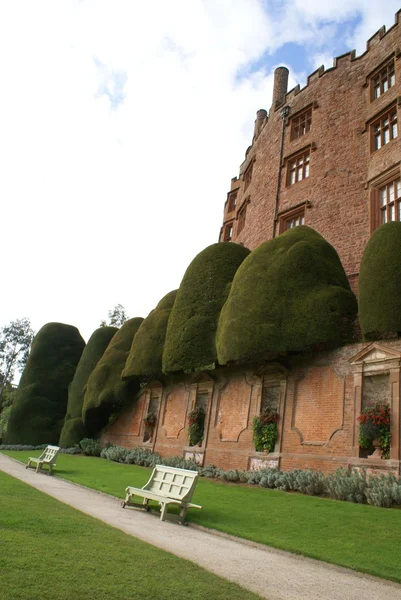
column 73, row 429
column 40, row 404
column 380, row 284
column 191, row 330
column 290, row 294
column 145, row 357
column 106, row 393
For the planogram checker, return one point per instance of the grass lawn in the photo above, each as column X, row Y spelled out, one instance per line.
column 361, row 537
column 49, row 551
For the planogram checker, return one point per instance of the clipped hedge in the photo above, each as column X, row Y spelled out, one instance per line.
column 290, row 294
column 106, row 393
column 40, row 403
column 380, row 284
column 73, row 428
column 145, row 357
column 191, row 330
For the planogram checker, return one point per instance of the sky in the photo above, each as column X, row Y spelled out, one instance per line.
column 122, row 123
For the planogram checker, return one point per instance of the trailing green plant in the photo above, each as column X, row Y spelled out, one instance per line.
column 90, row 447
column 196, row 426
column 265, row 430
column 374, row 424
column 150, row 421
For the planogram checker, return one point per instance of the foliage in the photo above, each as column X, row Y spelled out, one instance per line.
column 145, row 357
column 41, row 400
column 89, row 559
column 116, row 317
column 15, row 341
column 27, row 447
column 374, row 423
column 73, row 428
column 150, row 420
column 265, row 430
column 90, row 447
column 106, row 394
column 196, row 426
column 290, row 294
column 349, row 485
column 191, row 329
column 380, row 283
column 4, row 417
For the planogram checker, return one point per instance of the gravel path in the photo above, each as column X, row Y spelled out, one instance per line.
column 272, row 574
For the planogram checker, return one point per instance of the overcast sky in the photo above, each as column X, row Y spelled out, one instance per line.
column 122, row 123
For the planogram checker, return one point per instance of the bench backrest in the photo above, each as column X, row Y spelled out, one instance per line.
column 172, row 482
column 49, row 454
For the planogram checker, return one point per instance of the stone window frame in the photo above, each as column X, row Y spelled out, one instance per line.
column 241, row 215
column 289, row 215
column 301, row 123
column 228, row 231
column 384, row 128
column 232, row 201
column 376, row 359
column 247, row 177
column 376, row 189
column 298, row 166
column 382, row 80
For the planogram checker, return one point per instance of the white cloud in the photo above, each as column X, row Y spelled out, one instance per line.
column 122, row 124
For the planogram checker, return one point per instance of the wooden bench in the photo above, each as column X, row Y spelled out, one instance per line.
column 48, row 457
column 167, row 485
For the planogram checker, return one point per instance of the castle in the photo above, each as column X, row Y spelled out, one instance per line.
column 327, row 155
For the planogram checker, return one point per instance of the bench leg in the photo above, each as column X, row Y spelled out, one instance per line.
column 50, row 469
column 163, row 511
column 183, row 514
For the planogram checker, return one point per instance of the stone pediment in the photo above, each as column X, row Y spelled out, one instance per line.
column 374, row 354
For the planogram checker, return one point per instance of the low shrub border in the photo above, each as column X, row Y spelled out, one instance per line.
column 350, row 485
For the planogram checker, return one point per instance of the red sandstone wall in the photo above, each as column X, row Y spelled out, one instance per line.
column 341, row 164
column 317, row 407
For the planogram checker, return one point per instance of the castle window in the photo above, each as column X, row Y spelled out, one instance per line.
column 383, row 80
column 232, row 201
column 291, row 219
column 301, row 124
column 386, row 200
column 228, row 232
column 241, row 218
column 389, row 201
column 248, row 175
column 384, row 129
column 298, row 168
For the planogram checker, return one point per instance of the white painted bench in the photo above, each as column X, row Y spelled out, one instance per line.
column 48, row 457
column 167, row 485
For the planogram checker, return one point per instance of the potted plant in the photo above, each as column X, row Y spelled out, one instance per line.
column 150, row 421
column 374, row 429
column 265, row 430
column 196, row 426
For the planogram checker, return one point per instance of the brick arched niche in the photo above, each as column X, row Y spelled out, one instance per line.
column 376, row 371
column 272, row 392
column 200, row 392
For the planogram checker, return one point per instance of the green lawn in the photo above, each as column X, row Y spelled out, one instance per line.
column 361, row 537
column 49, row 551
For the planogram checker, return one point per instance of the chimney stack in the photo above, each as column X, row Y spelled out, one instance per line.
column 280, row 85
column 261, row 117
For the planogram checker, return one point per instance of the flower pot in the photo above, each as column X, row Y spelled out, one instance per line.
column 377, row 454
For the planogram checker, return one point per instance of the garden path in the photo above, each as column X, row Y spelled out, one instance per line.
column 272, row 574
